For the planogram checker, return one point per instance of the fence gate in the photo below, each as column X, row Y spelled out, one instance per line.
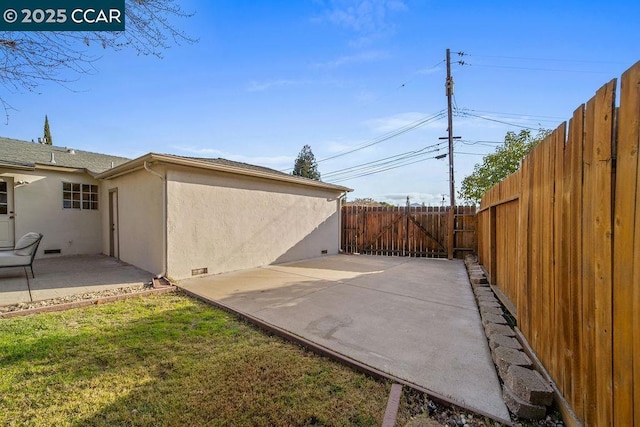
column 407, row 231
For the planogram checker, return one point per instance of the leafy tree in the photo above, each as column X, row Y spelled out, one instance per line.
column 306, row 164
column 368, row 201
column 364, row 201
column 32, row 58
column 47, row 132
column 499, row 164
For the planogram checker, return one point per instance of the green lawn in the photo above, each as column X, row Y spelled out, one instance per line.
column 171, row 360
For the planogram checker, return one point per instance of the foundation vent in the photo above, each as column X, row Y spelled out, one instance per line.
column 52, row 251
column 198, row 271
column 323, row 252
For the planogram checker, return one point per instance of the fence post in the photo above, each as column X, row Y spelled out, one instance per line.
column 363, row 216
column 450, row 227
column 405, row 250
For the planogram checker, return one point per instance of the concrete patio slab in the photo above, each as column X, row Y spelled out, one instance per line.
column 68, row 275
column 415, row 319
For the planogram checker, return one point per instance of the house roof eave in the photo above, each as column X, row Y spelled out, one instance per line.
column 7, row 164
column 138, row 163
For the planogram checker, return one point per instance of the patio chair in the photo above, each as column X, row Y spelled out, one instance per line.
column 22, row 255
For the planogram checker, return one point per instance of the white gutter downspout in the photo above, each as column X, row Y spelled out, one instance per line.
column 164, row 216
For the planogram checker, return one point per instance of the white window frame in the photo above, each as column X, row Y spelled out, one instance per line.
column 80, row 196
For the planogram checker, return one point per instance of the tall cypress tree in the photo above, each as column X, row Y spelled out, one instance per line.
column 306, row 164
column 47, row 132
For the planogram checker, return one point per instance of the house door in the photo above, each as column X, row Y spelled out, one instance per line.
column 6, row 212
column 114, row 241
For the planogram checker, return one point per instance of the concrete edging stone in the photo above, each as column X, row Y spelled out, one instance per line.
column 525, row 392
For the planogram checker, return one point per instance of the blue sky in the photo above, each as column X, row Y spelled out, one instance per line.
column 267, row 77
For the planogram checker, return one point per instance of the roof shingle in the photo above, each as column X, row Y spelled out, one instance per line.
column 23, row 153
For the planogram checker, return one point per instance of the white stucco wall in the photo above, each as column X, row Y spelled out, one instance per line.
column 140, row 219
column 226, row 222
column 38, row 207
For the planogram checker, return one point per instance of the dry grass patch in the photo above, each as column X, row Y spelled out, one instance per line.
column 170, row 360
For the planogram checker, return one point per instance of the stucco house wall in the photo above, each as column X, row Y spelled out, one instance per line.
column 32, row 175
column 225, row 222
column 139, row 219
column 38, row 207
column 172, row 214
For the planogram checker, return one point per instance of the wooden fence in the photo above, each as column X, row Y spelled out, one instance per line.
column 560, row 239
column 407, row 231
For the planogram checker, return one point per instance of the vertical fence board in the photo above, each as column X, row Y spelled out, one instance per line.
column 544, row 221
column 546, row 249
column 633, row 121
column 559, row 259
column 534, row 242
column 524, row 252
column 636, row 272
column 576, row 138
column 588, row 291
column 564, row 303
column 603, row 248
column 626, row 281
column 540, row 221
column 564, row 347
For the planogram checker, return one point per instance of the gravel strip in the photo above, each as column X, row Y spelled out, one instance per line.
column 75, row 298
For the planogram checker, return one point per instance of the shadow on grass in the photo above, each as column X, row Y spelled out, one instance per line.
column 171, row 361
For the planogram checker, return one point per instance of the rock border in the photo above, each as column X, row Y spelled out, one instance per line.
column 527, row 394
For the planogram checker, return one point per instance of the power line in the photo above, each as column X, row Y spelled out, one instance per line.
column 535, row 69
column 387, row 136
column 377, row 164
column 383, row 159
column 378, row 169
column 522, row 58
column 392, row 134
column 483, row 143
column 514, row 118
column 466, row 114
column 471, row 154
column 442, row 61
column 427, row 70
column 405, row 83
column 513, row 114
column 383, row 170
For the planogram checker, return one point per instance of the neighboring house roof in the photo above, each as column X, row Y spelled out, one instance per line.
column 220, row 165
column 23, row 154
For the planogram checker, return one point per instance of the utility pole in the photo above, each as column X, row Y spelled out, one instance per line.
column 452, row 195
